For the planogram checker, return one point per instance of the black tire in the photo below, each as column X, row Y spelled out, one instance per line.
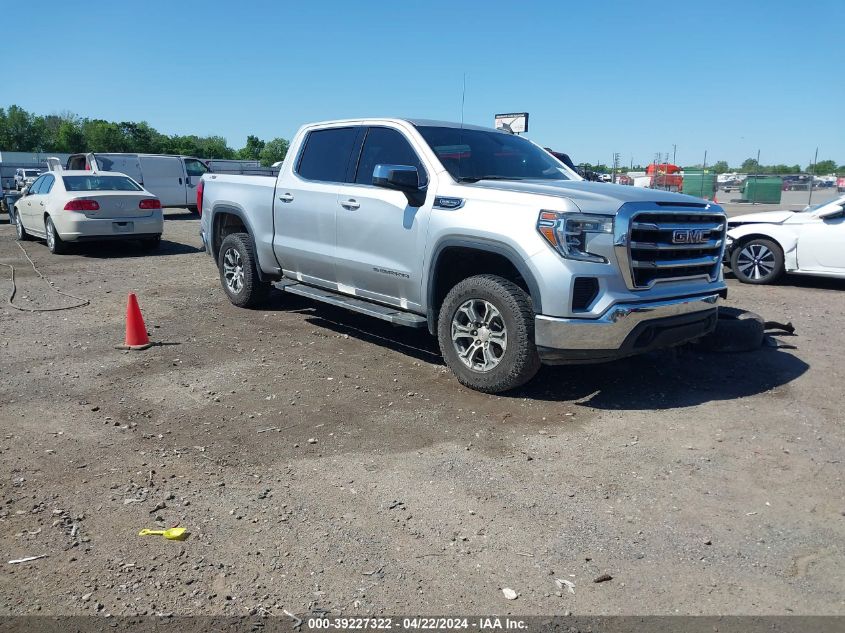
column 519, row 361
column 250, row 291
column 151, row 243
column 55, row 243
column 20, row 232
column 736, row 331
column 766, row 269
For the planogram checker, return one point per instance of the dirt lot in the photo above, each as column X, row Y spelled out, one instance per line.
column 327, row 462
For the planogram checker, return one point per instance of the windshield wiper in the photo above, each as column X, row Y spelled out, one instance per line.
column 477, row 178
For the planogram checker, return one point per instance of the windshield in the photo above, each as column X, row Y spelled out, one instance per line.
column 470, row 155
column 31, row 173
column 816, row 207
column 99, row 183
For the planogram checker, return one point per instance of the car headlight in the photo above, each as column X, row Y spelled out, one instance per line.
column 569, row 233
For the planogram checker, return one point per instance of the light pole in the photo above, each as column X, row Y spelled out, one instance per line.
column 812, row 176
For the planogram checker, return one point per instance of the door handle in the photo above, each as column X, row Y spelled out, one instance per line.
column 42, row 204
column 286, row 197
column 180, row 181
column 350, row 204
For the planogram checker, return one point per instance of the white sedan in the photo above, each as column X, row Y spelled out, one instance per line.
column 75, row 206
column 762, row 246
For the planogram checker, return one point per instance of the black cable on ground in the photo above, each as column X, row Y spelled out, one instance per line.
column 10, row 300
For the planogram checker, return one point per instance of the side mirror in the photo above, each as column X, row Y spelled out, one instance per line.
column 404, row 178
column 832, row 213
column 399, row 177
column 24, row 192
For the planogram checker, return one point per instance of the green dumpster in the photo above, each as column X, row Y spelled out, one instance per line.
column 700, row 183
column 765, row 189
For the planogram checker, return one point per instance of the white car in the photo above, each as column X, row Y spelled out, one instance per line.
column 75, row 206
column 25, row 177
column 763, row 246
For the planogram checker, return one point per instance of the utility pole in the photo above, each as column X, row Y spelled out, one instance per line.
column 756, row 174
column 703, row 169
column 615, row 166
column 812, row 176
column 674, row 154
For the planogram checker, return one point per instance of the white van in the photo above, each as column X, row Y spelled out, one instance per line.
column 172, row 179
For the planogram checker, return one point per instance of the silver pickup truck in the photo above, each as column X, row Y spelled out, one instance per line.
column 499, row 249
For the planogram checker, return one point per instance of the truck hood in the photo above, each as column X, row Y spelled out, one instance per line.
column 591, row 197
column 765, row 217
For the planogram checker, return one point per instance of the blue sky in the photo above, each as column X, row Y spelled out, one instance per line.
column 597, row 78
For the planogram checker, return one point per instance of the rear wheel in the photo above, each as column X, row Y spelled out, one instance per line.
column 757, row 261
column 55, row 243
column 239, row 272
column 486, row 334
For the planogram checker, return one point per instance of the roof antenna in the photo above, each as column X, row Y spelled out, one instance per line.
column 463, row 99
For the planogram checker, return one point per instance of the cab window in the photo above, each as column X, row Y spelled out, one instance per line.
column 386, row 146
column 325, row 156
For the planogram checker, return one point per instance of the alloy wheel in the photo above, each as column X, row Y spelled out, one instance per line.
column 479, row 334
column 233, row 270
column 51, row 235
column 756, row 261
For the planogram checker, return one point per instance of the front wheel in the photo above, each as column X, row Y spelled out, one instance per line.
column 55, row 243
column 239, row 272
column 757, row 261
column 21, row 233
column 486, row 334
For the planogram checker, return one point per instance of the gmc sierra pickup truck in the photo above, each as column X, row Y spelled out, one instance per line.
column 494, row 245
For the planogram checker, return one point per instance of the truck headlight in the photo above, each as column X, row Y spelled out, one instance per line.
column 569, row 233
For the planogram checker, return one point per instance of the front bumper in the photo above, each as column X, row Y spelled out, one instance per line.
column 729, row 246
column 624, row 330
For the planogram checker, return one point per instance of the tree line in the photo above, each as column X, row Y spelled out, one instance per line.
column 748, row 166
column 22, row 131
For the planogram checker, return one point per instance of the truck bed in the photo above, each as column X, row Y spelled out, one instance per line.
column 251, row 198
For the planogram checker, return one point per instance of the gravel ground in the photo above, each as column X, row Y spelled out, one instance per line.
column 325, row 462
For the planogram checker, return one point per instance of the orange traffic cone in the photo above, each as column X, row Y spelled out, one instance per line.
column 136, row 331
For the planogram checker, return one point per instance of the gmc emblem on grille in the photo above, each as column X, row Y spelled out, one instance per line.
column 688, row 236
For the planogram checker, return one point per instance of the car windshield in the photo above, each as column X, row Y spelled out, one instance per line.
column 99, row 183
column 31, row 173
column 816, row 207
column 470, row 155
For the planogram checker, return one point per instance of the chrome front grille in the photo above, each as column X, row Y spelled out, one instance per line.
column 662, row 245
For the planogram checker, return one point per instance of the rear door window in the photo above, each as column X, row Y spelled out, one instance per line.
column 325, row 156
column 386, row 146
column 47, row 184
column 36, row 186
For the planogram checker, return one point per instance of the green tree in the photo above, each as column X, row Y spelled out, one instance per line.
column 823, row 167
column 214, row 147
column 750, row 166
column 252, row 150
column 721, row 166
column 104, row 136
column 69, row 137
column 21, row 135
column 274, row 151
